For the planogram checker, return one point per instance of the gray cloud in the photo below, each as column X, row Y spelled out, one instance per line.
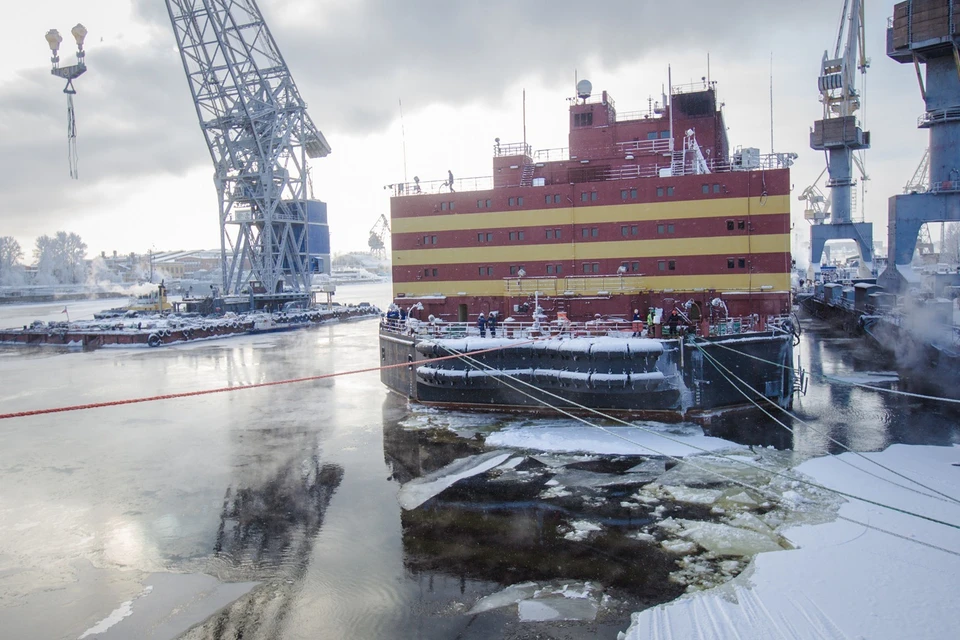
column 352, row 61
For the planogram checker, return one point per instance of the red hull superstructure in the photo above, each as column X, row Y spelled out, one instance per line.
column 642, row 210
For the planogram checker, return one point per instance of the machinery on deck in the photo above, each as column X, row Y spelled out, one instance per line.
column 272, row 232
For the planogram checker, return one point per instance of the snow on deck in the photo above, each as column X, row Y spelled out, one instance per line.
column 844, row 580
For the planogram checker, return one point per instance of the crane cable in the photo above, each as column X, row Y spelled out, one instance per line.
column 719, row 366
column 776, row 473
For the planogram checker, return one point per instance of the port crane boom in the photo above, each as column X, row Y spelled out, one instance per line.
column 839, row 135
column 259, row 136
column 377, row 233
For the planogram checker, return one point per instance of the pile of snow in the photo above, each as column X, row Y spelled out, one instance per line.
column 844, row 579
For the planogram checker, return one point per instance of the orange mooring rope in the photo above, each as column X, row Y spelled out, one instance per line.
column 188, row 394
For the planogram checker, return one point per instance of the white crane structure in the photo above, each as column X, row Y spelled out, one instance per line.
column 378, row 232
column 273, row 235
column 839, row 135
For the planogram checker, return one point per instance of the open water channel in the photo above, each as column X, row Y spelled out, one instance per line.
column 276, row 512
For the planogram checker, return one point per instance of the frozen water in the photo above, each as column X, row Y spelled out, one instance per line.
column 582, row 530
column 610, row 440
column 726, row 540
column 693, row 496
column 417, row 491
column 511, row 595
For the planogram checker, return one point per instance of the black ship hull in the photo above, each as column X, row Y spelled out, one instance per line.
column 666, row 379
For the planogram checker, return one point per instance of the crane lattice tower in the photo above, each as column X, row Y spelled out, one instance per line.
column 259, row 136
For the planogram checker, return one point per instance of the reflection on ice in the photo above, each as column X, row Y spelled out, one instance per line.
column 416, row 492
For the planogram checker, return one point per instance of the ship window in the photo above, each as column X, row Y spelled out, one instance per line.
column 583, row 119
column 659, row 192
column 633, row 230
column 716, row 188
column 583, row 196
column 741, row 225
column 451, row 205
column 548, row 198
column 434, row 271
column 596, row 267
column 489, row 203
column 669, row 191
column 633, row 194
column 483, row 270
column 513, row 235
column 512, row 201
column 549, row 234
column 585, row 232
column 729, row 263
column 586, row 267
column 480, row 237
column 659, row 228
column 520, row 235
column 651, row 135
column 559, row 268
column 624, row 231
column 513, row 269
column 662, row 265
column 669, row 228
column 556, row 232
column 741, row 263
column 665, row 133
column 623, row 194
column 729, row 225
column 595, row 232
column 625, row 265
column 426, row 273
column 479, row 204
column 433, row 239
column 489, row 271
column 593, row 196
column 672, row 265
column 634, row 266
column 443, row 206
column 520, row 201
column 549, row 268
column 556, row 198
column 426, row 239
column 706, row 188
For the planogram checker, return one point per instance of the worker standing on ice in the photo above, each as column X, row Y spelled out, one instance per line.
column 482, row 325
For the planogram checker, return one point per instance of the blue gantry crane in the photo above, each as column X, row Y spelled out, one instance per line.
column 273, row 234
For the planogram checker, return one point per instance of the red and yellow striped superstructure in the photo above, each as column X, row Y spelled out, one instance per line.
column 642, row 210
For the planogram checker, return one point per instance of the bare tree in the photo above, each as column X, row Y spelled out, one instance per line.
column 950, row 251
column 60, row 259
column 11, row 271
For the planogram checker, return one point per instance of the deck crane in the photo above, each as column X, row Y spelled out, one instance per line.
column 273, row 235
column 839, row 135
column 377, row 233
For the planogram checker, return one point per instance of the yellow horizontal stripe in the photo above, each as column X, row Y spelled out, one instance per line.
column 640, row 212
column 584, row 287
column 619, row 250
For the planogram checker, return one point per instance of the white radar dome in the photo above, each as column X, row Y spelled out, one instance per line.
column 584, row 88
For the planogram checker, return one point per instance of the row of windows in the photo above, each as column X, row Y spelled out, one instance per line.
column 516, row 235
column 652, row 135
column 585, row 196
column 484, row 204
column 593, row 267
column 632, row 193
column 551, row 198
column 661, row 191
column 593, row 232
column 429, row 239
column 741, row 225
column 588, row 232
column 588, row 196
column 516, row 202
column 446, row 206
column 583, row 119
column 706, row 188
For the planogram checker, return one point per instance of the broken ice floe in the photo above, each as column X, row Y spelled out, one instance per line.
column 582, row 530
column 536, row 603
column 723, row 539
column 416, row 492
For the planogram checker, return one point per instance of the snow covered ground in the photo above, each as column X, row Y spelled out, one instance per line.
column 872, row 573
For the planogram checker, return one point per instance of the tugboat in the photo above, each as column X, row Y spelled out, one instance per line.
column 643, row 270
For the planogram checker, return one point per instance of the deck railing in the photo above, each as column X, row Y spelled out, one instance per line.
column 614, row 327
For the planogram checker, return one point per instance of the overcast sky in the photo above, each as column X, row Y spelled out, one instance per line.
column 459, row 68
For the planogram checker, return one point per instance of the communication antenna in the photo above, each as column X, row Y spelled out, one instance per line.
column 403, row 138
column 772, row 150
column 69, row 73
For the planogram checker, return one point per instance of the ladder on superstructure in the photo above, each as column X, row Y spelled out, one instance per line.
column 259, row 136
